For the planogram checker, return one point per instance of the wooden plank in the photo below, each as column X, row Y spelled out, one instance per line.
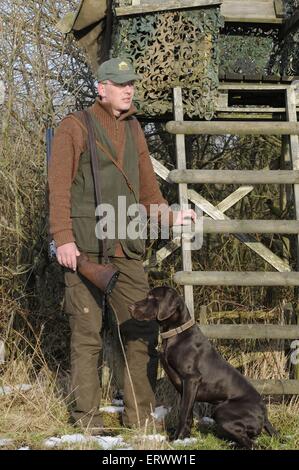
column 251, row 242
column 163, row 253
column 271, row 78
column 253, row 77
column 251, row 331
column 169, row 5
column 234, row 176
column 253, row 109
column 233, row 198
column 249, row 11
column 234, row 77
column 246, row 116
column 161, row 170
column 175, row 243
column 232, row 127
column 279, row 9
column 248, row 240
column 294, row 149
column 276, row 387
column 183, row 194
column 237, row 278
column 253, row 86
column 250, row 226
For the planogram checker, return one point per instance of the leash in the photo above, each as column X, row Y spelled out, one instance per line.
column 178, row 330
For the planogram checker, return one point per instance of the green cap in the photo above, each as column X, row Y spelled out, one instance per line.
column 117, row 70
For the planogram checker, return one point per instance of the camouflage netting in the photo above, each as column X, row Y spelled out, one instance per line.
column 249, row 49
column 290, row 45
column 174, row 48
column 258, row 49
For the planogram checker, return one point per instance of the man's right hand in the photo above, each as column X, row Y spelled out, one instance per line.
column 67, row 255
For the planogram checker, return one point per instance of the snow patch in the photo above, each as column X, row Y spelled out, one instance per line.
column 106, row 442
column 7, row 390
column 186, row 442
column 160, row 412
column 112, row 409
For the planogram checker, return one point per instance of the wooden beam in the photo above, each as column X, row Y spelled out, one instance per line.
column 279, row 8
column 235, row 176
column 164, row 6
column 250, row 226
column 253, row 86
column 234, row 197
column 237, row 278
column 232, row 127
column 217, row 213
column 247, row 109
column 183, row 194
column 250, row 11
column 294, row 149
column 248, row 240
column 175, row 243
column 276, row 387
column 250, row 331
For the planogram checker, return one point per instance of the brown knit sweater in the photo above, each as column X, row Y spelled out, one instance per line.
column 69, row 143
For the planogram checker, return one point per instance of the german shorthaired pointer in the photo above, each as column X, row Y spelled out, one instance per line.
column 199, row 373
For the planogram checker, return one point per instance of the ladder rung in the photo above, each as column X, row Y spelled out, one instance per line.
column 246, row 226
column 253, row 331
column 235, row 176
column 236, row 278
column 276, row 387
column 233, row 127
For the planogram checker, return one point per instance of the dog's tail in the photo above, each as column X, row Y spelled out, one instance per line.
column 269, row 428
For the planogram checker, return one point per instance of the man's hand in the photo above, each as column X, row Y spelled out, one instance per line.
column 184, row 217
column 67, row 255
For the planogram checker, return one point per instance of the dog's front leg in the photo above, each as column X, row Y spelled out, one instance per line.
column 172, row 375
column 190, row 386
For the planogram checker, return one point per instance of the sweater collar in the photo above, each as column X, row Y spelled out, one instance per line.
column 100, row 107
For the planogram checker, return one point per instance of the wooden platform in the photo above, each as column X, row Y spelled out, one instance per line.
column 244, row 11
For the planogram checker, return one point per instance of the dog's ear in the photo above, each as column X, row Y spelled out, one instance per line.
column 169, row 307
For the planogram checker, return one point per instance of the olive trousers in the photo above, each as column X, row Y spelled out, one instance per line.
column 83, row 302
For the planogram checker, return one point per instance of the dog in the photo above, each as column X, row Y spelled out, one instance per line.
column 199, row 373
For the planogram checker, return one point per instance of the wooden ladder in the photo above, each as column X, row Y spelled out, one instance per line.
column 242, row 229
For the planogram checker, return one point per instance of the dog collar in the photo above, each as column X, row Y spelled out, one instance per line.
column 178, row 330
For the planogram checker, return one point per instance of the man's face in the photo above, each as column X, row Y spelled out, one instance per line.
column 120, row 96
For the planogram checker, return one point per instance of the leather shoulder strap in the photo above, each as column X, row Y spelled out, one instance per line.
column 95, row 165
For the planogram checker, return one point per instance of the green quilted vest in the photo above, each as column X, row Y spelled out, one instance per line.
column 113, row 184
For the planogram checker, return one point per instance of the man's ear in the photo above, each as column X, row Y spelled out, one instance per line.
column 166, row 310
column 101, row 90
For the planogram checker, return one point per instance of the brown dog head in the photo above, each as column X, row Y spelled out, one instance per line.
column 162, row 303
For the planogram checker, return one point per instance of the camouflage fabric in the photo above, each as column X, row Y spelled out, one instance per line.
column 168, row 49
column 290, row 45
column 87, row 25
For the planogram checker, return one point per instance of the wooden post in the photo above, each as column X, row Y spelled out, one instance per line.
column 291, row 113
column 203, row 315
column 183, row 193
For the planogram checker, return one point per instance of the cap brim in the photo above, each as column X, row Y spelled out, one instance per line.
column 130, row 77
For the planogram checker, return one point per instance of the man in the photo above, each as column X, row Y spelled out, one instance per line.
column 72, row 224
